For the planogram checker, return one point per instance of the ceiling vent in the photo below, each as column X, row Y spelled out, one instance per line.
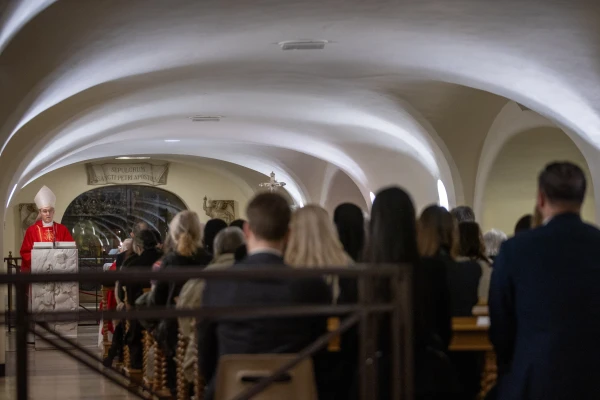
column 206, row 118
column 303, row 45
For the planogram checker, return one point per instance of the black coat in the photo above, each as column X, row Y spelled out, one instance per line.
column 256, row 336
column 143, row 262
column 166, row 292
column 545, row 312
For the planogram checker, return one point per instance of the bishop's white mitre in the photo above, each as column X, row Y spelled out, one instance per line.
column 45, row 198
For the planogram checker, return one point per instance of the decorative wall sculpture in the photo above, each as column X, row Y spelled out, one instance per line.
column 28, row 214
column 223, row 209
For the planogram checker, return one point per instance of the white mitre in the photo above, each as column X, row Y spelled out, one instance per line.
column 45, row 198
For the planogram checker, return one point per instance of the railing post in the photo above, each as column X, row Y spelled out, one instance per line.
column 367, row 343
column 404, row 289
column 22, row 332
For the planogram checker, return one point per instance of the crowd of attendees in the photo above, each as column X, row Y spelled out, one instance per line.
column 454, row 269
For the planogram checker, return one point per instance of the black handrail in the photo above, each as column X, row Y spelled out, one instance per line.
column 399, row 306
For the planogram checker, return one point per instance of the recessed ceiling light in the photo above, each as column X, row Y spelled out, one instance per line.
column 172, row 140
column 303, row 44
column 206, row 118
column 132, row 158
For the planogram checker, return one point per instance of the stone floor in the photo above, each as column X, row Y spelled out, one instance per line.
column 53, row 375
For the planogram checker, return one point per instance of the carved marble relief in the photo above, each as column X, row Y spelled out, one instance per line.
column 59, row 296
column 223, row 209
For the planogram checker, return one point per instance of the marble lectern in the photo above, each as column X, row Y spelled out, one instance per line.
column 59, row 296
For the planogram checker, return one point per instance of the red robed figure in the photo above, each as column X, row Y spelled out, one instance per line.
column 39, row 233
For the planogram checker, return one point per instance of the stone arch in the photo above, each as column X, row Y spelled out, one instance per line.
column 511, row 185
column 511, row 121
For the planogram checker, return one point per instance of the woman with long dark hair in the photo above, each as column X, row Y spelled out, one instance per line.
column 393, row 240
column 350, row 223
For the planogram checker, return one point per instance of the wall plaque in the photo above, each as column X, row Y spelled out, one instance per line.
column 127, row 173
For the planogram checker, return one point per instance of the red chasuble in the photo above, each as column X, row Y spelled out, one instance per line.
column 38, row 233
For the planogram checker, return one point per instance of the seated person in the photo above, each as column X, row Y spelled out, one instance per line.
column 144, row 245
column 266, row 235
column 225, row 245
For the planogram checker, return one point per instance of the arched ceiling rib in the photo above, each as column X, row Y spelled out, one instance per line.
column 138, row 68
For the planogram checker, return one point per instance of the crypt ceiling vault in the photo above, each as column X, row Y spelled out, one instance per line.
column 402, row 92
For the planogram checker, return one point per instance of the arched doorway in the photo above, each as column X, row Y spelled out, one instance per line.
column 511, row 186
column 100, row 219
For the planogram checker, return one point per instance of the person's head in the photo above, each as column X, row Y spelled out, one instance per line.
column 126, row 245
column 523, row 224
column 493, row 240
column 313, row 240
column 536, row 219
column 185, row 233
column 144, row 240
column 268, row 222
column 138, row 227
column 45, row 200
column 463, row 214
column 471, row 241
column 437, row 230
column 561, row 189
column 47, row 214
column 238, row 223
column 392, row 234
column 350, row 223
column 228, row 241
column 211, row 230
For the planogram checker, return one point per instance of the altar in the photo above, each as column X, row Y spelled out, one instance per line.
column 59, row 296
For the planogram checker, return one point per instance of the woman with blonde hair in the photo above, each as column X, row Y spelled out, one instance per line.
column 314, row 243
column 186, row 252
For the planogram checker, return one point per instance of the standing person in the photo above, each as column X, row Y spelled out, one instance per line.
column 393, row 240
column 350, row 223
column 544, row 298
column 44, row 229
column 266, row 234
column 314, row 244
column 472, row 248
column 211, row 230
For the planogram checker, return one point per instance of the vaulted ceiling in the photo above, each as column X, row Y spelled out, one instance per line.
column 403, row 92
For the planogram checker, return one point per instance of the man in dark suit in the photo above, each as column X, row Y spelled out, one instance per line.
column 266, row 235
column 545, row 299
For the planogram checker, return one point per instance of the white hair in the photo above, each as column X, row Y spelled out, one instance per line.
column 493, row 240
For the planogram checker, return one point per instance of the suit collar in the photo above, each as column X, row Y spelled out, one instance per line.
column 563, row 218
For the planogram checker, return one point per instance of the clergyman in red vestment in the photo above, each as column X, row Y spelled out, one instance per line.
column 45, row 229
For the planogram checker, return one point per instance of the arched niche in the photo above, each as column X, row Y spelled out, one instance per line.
column 511, row 187
column 343, row 190
column 101, row 218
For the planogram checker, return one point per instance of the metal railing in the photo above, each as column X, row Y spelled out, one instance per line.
column 365, row 312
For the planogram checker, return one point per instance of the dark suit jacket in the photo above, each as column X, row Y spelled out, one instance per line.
column 463, row 278
column 143, row 262
column 255, row 336
column 545, row 312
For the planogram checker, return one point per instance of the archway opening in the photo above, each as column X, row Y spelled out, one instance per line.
column 100, row 219
column 511, row 187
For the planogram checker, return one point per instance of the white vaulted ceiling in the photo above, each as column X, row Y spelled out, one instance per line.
column 404, row 93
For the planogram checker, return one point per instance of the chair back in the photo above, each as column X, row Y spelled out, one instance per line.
column 237, row 373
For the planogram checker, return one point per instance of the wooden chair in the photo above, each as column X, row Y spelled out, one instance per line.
column 106, row 342
column 160, row 373
column 471, row 334
column 148, row 367
column 182, row 383
column 237, row 373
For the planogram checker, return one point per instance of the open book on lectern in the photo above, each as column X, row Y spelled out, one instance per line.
column 52, row 245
